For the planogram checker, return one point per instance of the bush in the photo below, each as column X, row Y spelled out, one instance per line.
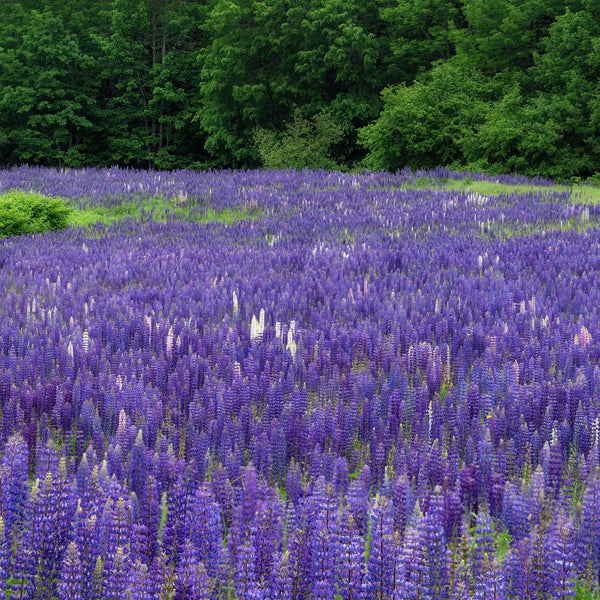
column 425, row 125
column 303, row 143
column 27, row 212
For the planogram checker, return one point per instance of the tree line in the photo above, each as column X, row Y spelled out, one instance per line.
column 493, row 85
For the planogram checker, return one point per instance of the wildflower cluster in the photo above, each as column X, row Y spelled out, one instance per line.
column 370, row 392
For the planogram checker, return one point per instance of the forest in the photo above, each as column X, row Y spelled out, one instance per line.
column 486, row 85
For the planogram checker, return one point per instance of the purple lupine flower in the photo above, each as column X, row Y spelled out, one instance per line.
column 484, row 544
column 435, row 550
column 562, row 550
column 247, row 586
column 489, row 585
column 115, row 576
column 192, row 580
column 413, row 571
column 249, row 494
column 351, row 564
column 515, row 576
column 137, row 465
column 141, row 583
column 177, row 508
column 496, row 495
column 89, row 546
column 554, row 469
column 587, row 551
column 69, row 587
column 205, row 527
column 299, row 529
column 266, row 535
column 380, row 565
column 358, row 503
column 147, row 526
column 119, row 531
column 4, row 557
column 281, row 582
column 293, row 482
column 43, row 533
column 13, row 478
column 164, row 576
column 401, row 499
column 325, row 543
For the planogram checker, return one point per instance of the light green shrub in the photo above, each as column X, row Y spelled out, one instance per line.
column 27, row 212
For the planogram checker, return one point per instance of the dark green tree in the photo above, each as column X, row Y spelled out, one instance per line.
column 47, row 101
column 265, row 59
column 421, row 32
column 149, row 78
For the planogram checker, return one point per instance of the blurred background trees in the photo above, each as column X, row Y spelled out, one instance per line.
column 483, row 84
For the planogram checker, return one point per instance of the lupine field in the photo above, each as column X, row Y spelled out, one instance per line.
column 362, row 389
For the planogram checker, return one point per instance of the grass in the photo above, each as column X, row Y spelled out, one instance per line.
column 160, row 209
column 587, row 194
column 579, row 193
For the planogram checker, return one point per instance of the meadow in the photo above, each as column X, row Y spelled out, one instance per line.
column 301, row 385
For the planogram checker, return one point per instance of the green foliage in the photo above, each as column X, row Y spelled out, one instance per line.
column 47, row 92
column 303, row 143
column 497, row 85
column 584, row 593
column 527, row 72
column 425, row 125
column 422, row 33
column 23, row 212
column 158, row 209
column 503, row 540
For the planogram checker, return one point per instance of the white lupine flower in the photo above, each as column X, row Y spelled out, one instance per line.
column 170, row 341
column 254, row 327
column 86, row 341
column 532, row 304
column 291, row 344
column 70, row 351
column 429, row 419
column 236, row 306
column 257, row 326
column 584, row 337
column 277, row 329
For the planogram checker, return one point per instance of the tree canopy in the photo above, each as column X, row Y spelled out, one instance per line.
column 485, row 84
